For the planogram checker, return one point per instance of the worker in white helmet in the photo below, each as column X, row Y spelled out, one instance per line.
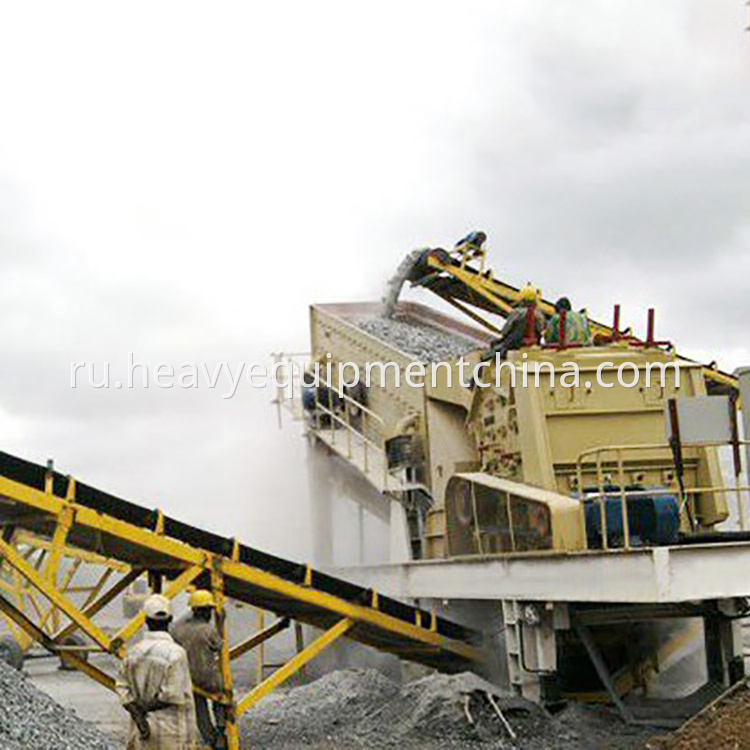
column 155, row 688
column 199, row 636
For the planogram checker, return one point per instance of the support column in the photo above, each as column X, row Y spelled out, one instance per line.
column 531, row 647
column 217, row 585
column 724, row 653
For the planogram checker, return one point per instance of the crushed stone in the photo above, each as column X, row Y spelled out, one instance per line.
column 599, row 727
column 454, row 711
column 29, row 718
column 423, row 342
column 357, row 709
column 315, row 714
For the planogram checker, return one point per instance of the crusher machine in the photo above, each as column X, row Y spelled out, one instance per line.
column 581, row 517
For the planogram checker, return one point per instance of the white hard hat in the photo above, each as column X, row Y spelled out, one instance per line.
column 157, row 607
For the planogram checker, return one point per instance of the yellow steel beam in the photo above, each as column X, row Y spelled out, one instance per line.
column 503, row 297
column 14, row 586
column 260, row 655
column 470, row 313
column 217, row 586
column 65, row 588
column 34, row 603
column 179, row 584
column 25, row 642
column 293, row 665
column 44, row 587
column 39, row 635
column 90, row 607
column 255, row 640
column 191, row 556
column 347, row 609
column 475, row 282
column 57, row 546
column 8, row 586
column 104, row 524
column 35, row 542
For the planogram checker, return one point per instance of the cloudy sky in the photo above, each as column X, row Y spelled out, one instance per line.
column 180, row 180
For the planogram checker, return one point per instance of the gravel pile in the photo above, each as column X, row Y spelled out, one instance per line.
column 599, row 727
column 357, row 709
column 423, row 342
column 317, row 714
column 29, row 718
column 454, row 711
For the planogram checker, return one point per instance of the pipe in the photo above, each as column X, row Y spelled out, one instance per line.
column 563, row 327
column 650, row 327
column 616, row 324
column 529, row 338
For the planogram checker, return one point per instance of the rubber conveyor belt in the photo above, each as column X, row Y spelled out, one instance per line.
column 147, row 539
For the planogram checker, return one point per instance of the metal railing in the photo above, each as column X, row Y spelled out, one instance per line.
column 683, row 493
column 359, row 425
column 371, row 424
column 295, row 363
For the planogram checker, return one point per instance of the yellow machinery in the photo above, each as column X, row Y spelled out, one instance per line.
column 504, row 471
column 72, row 519
column 70, row 569
column 462, row 279
column 436, row 444
column 531, row 466
column 571, row 442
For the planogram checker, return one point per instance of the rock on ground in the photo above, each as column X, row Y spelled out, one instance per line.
column 453, row 711
column 29, row 718
column 599, row 727
column 357, row 709
column 314, row 715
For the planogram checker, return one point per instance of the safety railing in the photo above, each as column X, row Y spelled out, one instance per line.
column 684, row 493
column 346, row 424
column 288, row 395
column 369, row 438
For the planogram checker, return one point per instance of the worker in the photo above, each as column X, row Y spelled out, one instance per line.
column 515, row 329
column 154, row 686
column 472, row 244
column 576, row 325
column 199, row 636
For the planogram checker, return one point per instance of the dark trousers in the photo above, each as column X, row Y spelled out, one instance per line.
column 213, row 735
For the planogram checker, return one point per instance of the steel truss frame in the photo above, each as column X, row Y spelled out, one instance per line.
column 40, row 578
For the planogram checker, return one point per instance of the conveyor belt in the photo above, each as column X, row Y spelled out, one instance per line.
column 34, row 499
column 462, row 285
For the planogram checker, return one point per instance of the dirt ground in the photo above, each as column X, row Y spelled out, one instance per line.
column 723, row 726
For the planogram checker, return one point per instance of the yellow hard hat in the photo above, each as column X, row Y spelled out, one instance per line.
column 529, row 293
column 201, row 598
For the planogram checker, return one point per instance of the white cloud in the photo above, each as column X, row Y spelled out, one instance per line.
column 181, row 180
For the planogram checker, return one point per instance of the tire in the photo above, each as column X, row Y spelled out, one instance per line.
column 10, row 652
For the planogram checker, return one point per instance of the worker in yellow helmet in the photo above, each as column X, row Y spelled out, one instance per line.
column 200, row 637
column 514, row 331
